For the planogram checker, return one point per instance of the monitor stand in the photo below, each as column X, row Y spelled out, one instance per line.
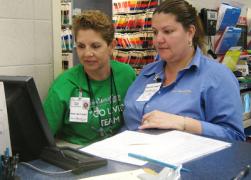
column 71, row 159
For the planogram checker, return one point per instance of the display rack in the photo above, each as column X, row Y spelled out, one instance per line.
column 132, row 22
column 66, row 34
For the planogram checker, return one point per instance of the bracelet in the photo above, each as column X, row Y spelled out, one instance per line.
column 184, row 123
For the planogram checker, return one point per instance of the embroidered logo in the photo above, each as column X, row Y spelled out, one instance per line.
column 185, row 91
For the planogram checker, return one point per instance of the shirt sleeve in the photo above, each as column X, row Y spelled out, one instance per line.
column 223, row 107
column 54, row 110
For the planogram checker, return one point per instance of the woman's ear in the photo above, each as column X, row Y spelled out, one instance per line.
column 113, row 43
column 191, row 32
column 112, row 46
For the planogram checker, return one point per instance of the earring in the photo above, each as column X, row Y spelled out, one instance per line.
column 190, row 43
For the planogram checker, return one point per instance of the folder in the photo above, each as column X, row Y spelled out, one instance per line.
column 227, row 16
column 229, row 38
column 231, row 58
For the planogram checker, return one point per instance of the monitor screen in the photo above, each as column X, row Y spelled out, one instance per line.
column 29, row 129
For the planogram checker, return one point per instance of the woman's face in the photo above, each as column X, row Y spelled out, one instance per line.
column 170, row 38
column 93, row 51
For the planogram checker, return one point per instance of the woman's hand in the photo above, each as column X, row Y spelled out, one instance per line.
column 162, row 120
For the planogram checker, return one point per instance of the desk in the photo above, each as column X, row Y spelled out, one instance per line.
column 220, row 165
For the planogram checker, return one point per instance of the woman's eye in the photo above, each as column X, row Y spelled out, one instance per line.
column 168, row 31
column 80, row 46
column 95, row 46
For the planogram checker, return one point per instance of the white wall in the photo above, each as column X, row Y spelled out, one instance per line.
column 26, row 40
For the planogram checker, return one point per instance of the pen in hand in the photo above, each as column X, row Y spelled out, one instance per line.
column 243, row 173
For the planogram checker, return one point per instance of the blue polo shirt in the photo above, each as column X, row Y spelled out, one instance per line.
column 205, row 90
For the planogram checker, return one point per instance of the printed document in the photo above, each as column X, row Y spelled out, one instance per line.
column 173, row 147
column 4, row 124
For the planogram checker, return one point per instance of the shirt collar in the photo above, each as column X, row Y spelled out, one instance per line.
column 160, row 64
column 156, row 69
column 196, row 59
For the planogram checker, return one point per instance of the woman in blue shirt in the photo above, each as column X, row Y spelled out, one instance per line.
column 185, row 90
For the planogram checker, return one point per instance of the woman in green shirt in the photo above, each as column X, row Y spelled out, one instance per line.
column 85, row 103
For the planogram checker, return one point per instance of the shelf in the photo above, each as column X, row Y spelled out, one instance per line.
column 133, row 12
column 132, row 30
column 63, row 26
column 66, row 51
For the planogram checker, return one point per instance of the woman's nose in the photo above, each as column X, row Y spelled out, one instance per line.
column 159, row 38
column 89, row 52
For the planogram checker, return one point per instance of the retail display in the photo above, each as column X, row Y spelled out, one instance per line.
column 132, row 22
column 66, row 34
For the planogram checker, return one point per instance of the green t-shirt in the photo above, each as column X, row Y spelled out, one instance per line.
column 68, row 84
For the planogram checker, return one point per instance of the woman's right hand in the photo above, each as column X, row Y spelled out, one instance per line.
column 162, row 120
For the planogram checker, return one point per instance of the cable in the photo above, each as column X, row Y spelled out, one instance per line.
column 210, row 51
column 44, row 172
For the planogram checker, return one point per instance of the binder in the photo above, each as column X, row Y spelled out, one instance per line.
column 227, row 16
column 229, row 38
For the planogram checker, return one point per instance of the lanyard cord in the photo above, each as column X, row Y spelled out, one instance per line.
column 92, row 96
column 117, row 97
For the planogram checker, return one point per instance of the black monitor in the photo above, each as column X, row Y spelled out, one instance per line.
column 30, row 134
column 29, row 130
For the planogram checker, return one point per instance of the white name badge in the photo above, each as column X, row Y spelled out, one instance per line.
column 149, row 91
column 79, row 107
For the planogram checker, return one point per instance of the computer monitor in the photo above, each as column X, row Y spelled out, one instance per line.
column 30, row 134
column 29, row 129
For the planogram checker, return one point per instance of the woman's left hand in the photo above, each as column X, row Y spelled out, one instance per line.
column 162, row 120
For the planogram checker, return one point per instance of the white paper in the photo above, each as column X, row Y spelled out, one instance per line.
column 173, row 147
column 117, row 147
column 131, row 175
column 4, row 124
column 177, row 147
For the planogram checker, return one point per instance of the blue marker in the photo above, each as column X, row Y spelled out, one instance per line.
column 160, row 163
column 7, row 152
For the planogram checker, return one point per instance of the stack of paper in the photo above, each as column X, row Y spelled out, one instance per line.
column 173, row 147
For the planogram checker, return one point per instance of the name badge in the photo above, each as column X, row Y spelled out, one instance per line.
column 149, row 91
column 79, row 107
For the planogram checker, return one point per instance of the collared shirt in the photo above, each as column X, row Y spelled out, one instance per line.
column 205, row 90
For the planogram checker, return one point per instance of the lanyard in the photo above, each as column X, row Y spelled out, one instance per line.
column 93, row 99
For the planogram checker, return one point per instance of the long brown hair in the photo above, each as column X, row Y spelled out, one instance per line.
column 185, row 14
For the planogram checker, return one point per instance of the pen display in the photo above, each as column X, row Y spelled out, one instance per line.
column 8, row 165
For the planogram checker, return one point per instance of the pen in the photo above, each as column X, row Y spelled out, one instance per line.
column 243, row 173
column 144, row 158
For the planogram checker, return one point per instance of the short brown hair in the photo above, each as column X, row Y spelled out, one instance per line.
column 185, row 14
column 95, row 20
